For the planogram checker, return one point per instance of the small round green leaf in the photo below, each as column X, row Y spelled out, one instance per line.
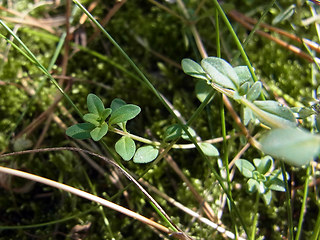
column 253, row 185
column 244, row 88
column 276, row 184
column 264, row 164
column 99, row 132
column 125, row 147
column 267, row 196
column 124, row 113
column 243, row 73
column 92, row 118
column 95, row 105
column 105, row 113
column 245, row 167
column 173, row 132
column 145, row 154
column 209, row 150
column 116, row 103
column 80, row 130
column 221, row 72
column 254, row 91
column 305, row 112
column 193, row 69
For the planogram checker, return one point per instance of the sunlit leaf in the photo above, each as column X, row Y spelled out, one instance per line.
column 267, row 196
column 124, row 113
column 99, row 132
column 263, row 165
column 221, row 72
column 91, row 118
column 244, row 88
column 209, row 150
column 292, row 145
column 193, row 69
column 125, row 147
column 105, row 113
column 116, row 103
column 145, row 154
column 247, row 116
column 243, row 73
column 303, row 112
column 95, row 105
column 245, row 167
column 274, row 112
column 254, row 91
column 253, row 185
column 276, row 184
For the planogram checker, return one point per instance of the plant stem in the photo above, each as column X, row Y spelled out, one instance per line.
column 288, row 200
column 256, row 26
column 303, row 206
column 236, row 39
column 151, row 87
column 223, row 126
column 84, row 194
column 255, row 217
column 316, row 228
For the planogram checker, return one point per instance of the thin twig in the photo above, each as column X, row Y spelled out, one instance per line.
column 84, row 194
column 124, row 172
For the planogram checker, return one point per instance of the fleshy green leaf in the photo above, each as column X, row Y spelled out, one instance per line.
column 145, row 154
column 105, row 113
column 254, row 91
column 305, row 112
column 245, row 167
column 193, row 69
column 276, row 184
column 95, row 105
column 263, row 165
column 92, row 118
column 253, row 185
column 203, row 90
column 99, row 132
column 124, row 113
column 267, row 196
column 116, row 103
column 173, row 132
column 318, row 122
column 247, row 116
column 125, row 147
column 209, row 150
column 292, row 145
column 244, row 88
column 284, row 15
column 80, row 130
column 221, row 72
column 243, row 73
column 275, row 112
